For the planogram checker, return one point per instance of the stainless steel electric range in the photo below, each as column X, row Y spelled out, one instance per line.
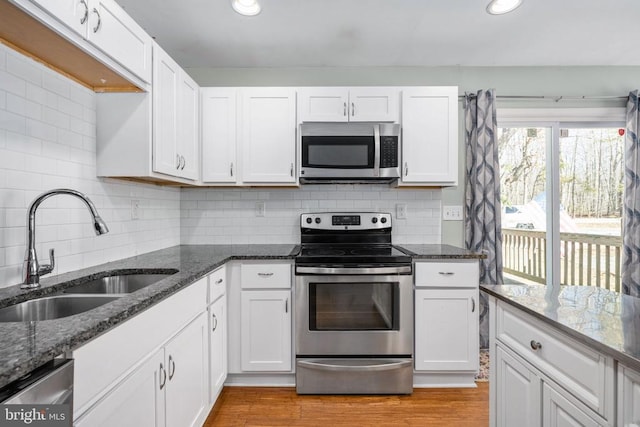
column 354, row 307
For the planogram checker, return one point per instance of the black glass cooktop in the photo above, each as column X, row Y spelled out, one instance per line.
column 365, row 254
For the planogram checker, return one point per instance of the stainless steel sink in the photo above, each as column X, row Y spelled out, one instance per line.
column 55, row 307
column 118, row 284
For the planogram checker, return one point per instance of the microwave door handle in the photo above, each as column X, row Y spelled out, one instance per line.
column 376, row 154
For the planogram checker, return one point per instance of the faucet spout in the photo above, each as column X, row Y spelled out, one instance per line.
column 32, row 270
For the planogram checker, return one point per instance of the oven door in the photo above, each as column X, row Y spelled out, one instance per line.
column 341, row 315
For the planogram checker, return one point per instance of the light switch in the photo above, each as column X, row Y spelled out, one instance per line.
column 452, row 213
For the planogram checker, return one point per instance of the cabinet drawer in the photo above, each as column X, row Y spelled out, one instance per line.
column 447, row 274
column 583, row 372
column 217, row 283
column 260, row 276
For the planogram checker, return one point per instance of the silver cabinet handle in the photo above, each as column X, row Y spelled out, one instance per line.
column 353, row 109
column 163, row 376
column 446, row 273
column 172, row 367
column 218, row 281
column 178, row 161
column 231, row 169
column 286, row 305
column 291, row 170
column 265, row 275
column 473, row 305
column 215, row 323
column 406, row 169
column 97, row 27
column 184, row 162
column 535, row 345
column 344, row 109
column 86, row 12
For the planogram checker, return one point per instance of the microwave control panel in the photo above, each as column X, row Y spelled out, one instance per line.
column 388, row 151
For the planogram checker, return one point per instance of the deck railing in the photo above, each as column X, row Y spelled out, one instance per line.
column 585, row 259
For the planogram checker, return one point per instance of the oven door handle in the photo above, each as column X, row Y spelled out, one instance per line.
column 406, row 269
column 388, row 365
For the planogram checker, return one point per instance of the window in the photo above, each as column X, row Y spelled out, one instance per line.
column 561, row 176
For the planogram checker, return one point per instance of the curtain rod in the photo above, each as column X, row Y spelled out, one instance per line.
column 555, row 98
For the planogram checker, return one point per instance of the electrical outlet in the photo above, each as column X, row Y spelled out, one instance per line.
column 401, row 211
column 135, row 209
column 452, row 213
column 260, row 208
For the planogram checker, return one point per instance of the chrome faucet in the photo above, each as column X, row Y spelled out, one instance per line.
column 31, row 269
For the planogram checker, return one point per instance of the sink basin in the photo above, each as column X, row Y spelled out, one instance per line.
column 118, row 283
column 54, row 307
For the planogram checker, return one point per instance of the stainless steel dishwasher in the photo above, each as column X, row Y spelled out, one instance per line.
column 50, row 384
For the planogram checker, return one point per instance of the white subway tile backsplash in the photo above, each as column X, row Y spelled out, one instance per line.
column 224, row 216
column 57, row 150
column 25, row 68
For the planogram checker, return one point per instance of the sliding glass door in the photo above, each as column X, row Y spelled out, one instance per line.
column 561, row 191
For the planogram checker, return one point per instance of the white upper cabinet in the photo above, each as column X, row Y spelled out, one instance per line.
column 339, row 104
column 430, row 136
column 268, row 135
column 175, row 119
column 108, row 27
column 218, row 120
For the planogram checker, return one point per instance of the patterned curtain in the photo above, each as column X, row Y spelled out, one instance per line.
column 631, row 209
column 483, row 230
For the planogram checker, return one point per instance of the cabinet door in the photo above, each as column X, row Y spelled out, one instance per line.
column 188, row 135
column 517, row 392
column 373, row 105
column 217, row 347
column 165, row 127
column 446, row 335
column 268, row 135
column 559, row 412
column 137, row 401
column 73, row 13
column 628, row 396
column 218, row 121
column 112, row 30
column 323, row 105
column 187, row 397
column 430, row 136
column 266, row 330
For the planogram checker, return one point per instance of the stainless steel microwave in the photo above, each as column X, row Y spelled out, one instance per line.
column 368, row 152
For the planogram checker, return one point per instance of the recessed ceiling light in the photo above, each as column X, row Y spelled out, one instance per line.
column 498, row 7
column 246, row 7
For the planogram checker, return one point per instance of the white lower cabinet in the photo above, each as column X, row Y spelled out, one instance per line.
column 446, row 323
column 541, row 377
column 135, row 402
column 628, row 396
column 217, row 347
column 266, row 330
column 168, row 389
column 518, row 392
column 558, row 411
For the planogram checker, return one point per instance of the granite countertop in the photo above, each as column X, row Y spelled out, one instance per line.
column 439, row 252
column 604, row 320
column 27, row 345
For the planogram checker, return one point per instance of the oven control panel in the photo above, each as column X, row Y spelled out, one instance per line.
column 346, row 220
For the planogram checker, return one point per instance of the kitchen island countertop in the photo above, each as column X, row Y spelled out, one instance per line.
column 603, row 320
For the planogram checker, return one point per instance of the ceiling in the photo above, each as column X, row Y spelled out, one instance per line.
column 373, row 33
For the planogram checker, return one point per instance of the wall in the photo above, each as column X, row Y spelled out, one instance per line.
column 537, row 81
column 48, row 140
column 229, row 216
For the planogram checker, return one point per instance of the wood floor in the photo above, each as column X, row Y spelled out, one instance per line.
column 251, row 406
